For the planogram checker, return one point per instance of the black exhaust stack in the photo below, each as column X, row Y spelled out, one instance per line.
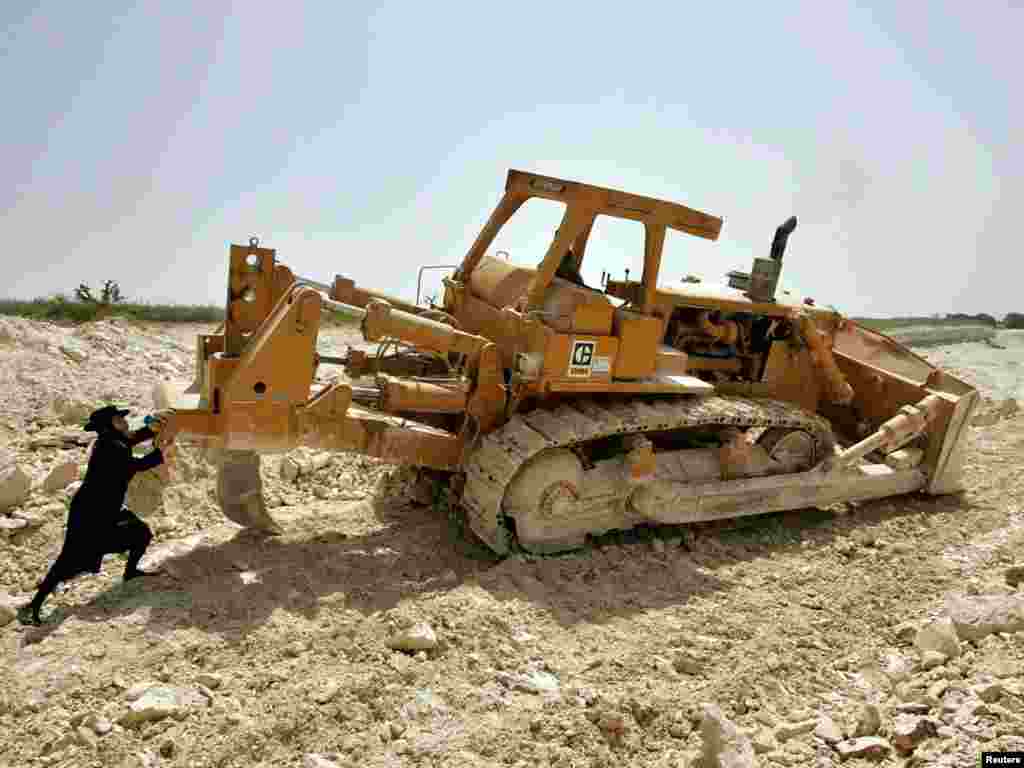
column 763, row 280
column 781, row 236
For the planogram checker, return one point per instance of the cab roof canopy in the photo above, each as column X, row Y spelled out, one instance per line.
column 611, row 202
column 583, row 203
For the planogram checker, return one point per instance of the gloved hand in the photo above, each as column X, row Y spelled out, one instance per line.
column 157, row 421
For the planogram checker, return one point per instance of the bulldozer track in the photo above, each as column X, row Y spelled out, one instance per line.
column 499, row 455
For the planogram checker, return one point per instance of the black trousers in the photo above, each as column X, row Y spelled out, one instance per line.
column 131, row 536
column 127, row 534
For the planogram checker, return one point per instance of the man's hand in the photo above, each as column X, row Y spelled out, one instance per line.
column 162, row 424
column 158, row 420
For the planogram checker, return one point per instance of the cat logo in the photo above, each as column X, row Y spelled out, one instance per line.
column 582, row 358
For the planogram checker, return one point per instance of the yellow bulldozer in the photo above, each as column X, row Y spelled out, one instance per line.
column 558, row 410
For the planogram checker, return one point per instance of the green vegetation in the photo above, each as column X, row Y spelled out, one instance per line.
column 111, row 294
column 87, row 306
column 61, row 309
column 894, row 323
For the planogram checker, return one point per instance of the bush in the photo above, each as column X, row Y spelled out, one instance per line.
column 60, row 309
column 111, row 294
column 1014, row 320
column 982, row 317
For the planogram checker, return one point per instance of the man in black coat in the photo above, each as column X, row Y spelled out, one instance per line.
column 97, row 523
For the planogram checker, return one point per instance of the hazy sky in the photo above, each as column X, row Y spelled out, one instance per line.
column 140, row 140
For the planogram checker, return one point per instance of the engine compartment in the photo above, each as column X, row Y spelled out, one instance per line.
column 725, row 346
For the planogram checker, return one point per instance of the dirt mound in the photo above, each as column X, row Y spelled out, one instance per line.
column 938, row 335
column 996, row 369
column 370, row 634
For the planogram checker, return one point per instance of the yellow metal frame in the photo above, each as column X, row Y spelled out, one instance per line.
column 584, row 202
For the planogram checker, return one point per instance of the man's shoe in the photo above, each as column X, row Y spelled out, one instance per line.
column 29, row 616
column 136, row 573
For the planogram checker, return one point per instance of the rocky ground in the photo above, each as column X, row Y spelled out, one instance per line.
column 371, row 634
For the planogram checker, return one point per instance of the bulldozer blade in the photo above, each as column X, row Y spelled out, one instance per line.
column 240, row 491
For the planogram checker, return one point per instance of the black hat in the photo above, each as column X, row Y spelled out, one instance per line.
column 102, row 418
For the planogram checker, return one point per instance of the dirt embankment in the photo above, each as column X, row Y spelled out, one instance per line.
column 939, row 335
column 996, row 368
column 370, row 634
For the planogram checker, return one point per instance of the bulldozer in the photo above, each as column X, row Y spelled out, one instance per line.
column 556, row 411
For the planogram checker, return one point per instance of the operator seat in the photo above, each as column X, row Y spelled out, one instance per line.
column 567, row 308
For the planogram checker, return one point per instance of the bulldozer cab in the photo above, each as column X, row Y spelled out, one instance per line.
column 592, row 336
column 567, row 251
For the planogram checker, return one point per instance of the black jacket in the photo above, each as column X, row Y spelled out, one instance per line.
column 96, row 508
column 111, row 467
